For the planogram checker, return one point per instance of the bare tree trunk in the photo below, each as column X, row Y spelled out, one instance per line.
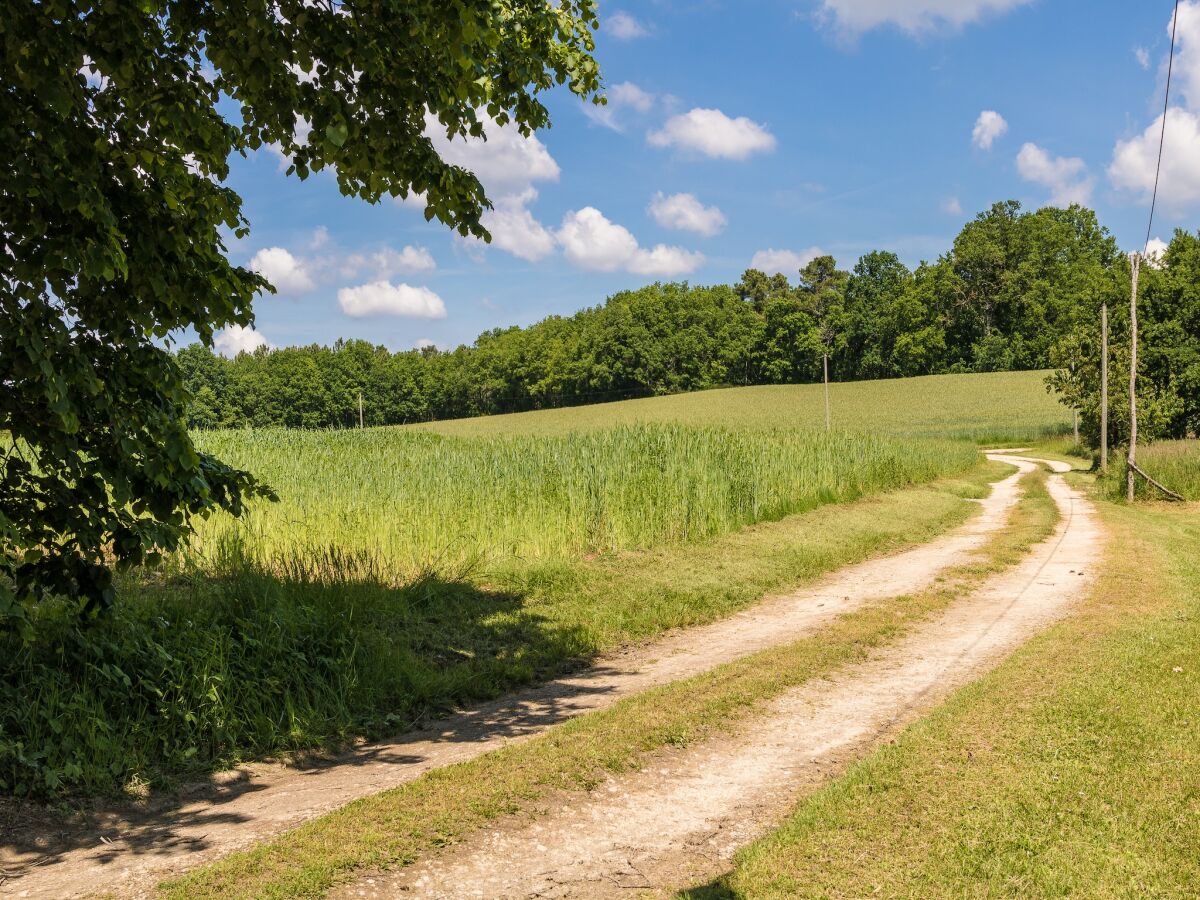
column 1104, row 389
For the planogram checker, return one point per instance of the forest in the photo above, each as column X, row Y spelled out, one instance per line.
column 1017, row 290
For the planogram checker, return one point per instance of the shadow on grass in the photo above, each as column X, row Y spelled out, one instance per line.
column 714, row 890
column 246, row 664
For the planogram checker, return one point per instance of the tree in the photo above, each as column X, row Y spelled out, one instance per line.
column 113, row 210
column 823, row 296
column 875, row 306
column 1168, row 350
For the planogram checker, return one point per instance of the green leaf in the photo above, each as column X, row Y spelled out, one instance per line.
column 337, row 133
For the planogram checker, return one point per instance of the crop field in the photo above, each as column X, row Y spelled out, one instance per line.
column 992, row 408
column 611, row 477
column 409, row 502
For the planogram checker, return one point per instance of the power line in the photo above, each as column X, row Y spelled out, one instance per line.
column 1163, row 136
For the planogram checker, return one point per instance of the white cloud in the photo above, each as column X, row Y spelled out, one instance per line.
column 1156, row 252
column 988, row 127
column 1187, row 57
column 387, row 262
column 382, row 298
column 422, row 343
column 1134, row 160
column 629, row 94
column 1142, row 55
column 952, row 207
column 712, row 133
column 238, row 339
column 591, row 241
column 622, row 98
column 1065, row 176
column 514, row 229
column 287, row 273
column 624, row 27
column 684, row 212
column 853, row 17
column 414, row 200
column 320, row 237
column 506, row 162
column 785, row 262
column 665, row 262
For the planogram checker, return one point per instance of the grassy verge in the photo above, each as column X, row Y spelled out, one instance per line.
column 197, row 673
column 394, row 827
column 1174, row 463
column 1073, row 769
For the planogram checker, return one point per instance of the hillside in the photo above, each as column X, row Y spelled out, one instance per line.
column 988, row 408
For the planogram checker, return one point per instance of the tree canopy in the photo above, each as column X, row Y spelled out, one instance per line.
column 1168, row 348
column 116, row 124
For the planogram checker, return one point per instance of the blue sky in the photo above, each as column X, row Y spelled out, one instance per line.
column 744, row 133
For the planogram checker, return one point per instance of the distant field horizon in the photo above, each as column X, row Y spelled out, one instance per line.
column 981, row 407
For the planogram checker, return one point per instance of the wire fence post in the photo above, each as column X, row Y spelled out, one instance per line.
column 828, row 416
column 1135, row 262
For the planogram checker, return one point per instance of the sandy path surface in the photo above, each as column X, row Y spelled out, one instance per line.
column 128, row 852
column 678, row 822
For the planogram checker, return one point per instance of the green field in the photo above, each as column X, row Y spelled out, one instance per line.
column 399, row 503
column 991, row 408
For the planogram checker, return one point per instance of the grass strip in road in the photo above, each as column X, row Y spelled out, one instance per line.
column 1071, row 770
column 395, row 827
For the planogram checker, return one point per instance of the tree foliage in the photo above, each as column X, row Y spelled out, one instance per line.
column 116, row 124
column 1168, row 349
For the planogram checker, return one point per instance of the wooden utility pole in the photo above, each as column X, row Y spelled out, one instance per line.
column 360, row 411
column 1104, row 388
column 828, row 418
column 1135, row 262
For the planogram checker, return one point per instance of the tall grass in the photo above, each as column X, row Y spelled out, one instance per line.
column 1176, row 464
column 412, row 501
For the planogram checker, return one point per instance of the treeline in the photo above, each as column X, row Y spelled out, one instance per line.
column 1012, row 287
column 1168, row 349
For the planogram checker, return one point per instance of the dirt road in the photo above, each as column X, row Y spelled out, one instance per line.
column 679, row 821
column 128, row 853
